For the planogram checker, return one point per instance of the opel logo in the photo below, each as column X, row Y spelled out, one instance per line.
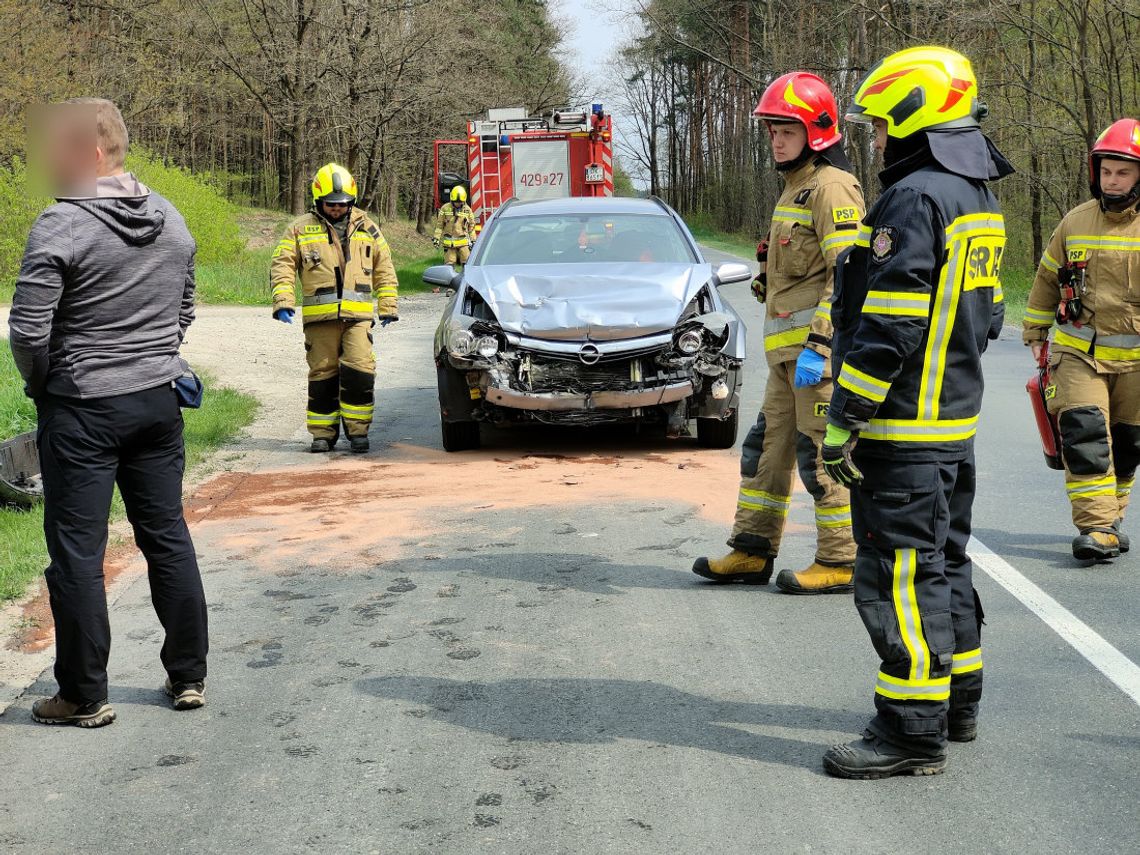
column 589, row 354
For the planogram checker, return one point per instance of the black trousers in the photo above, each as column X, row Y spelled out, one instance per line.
column 86, row 447
column 914, row 591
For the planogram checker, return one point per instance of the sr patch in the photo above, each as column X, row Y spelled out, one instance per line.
column 884, row 244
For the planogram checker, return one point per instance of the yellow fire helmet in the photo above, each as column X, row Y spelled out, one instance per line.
column 333, row 183
column 459, row 194
column 919, row 89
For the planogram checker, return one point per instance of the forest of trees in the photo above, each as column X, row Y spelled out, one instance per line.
column 1054, row 74
column 261, row 92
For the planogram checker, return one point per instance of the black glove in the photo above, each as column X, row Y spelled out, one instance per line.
column 837, row 446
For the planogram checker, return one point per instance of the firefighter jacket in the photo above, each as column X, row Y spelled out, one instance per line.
column 917, row 301
column 455, row 225
column 816, row 217
column 1102, row 248
column 339, row 279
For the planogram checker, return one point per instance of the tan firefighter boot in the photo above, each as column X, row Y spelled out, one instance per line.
column 817, row 579
column 737, row 566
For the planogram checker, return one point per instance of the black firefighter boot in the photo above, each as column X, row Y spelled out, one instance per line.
column 1096, row 544
column 871, row 758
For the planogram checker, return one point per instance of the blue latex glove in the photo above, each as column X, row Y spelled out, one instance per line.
column 385, row 321
column 809, row 368
column 284, row 315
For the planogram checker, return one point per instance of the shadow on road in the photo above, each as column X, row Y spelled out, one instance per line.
column 1053, row 549
column 599, row 712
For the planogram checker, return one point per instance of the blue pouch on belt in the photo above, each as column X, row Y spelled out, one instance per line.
column 189, row 388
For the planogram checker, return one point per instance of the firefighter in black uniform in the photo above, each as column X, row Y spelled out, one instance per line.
column 917, row 300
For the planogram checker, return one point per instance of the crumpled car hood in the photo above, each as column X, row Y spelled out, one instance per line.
column 600, row 302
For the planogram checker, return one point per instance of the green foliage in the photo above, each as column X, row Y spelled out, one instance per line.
column 17, row 213
column 623, row 184
column 23, row 554
column 211, row 218
column 17, row 414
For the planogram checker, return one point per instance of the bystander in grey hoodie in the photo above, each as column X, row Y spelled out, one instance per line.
column 105, row 294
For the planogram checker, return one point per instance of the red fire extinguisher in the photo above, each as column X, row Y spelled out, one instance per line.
column 1040, row 388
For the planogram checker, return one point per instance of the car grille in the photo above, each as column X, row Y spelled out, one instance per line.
column 544, row 374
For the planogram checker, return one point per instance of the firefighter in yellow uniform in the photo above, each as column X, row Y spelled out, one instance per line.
column 455, row 228
column 816, row 217
column 1088, row 291
column 344, row 264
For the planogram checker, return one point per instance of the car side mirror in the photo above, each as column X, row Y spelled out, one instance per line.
column 731, row 272
column 441, row 275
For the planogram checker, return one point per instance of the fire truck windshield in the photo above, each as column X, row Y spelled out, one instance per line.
column 586, row 239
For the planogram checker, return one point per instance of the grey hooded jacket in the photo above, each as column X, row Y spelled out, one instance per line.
column 105, row 294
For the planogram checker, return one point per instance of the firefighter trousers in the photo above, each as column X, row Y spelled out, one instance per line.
column 914, row 591
column 342, row 373
column 1099, row 418
column 456, row 254
column 789, row 433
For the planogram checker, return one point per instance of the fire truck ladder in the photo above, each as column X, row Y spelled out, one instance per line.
column 490, row 179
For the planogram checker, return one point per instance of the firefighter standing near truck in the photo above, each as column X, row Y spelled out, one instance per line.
column 816, row 217
column 917, row 301
column 1088, row 290
column 344, row 265
column 455, row 228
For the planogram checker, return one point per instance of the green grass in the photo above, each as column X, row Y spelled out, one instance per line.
column 23, row 555
column 737, row 244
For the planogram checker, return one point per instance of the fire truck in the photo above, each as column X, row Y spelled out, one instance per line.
column 512, row 155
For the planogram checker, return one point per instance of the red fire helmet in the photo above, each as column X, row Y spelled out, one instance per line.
column 803, row 97
column 1121, row 139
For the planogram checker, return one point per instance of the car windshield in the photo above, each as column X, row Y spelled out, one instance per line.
column 586, row 239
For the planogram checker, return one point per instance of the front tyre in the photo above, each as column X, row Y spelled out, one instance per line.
column 459, row 436
column 718, row 433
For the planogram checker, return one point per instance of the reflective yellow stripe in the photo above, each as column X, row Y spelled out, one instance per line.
column 768, row 503
column 900, row 303
column 970, row 660
column 453, row 243
column 786, row 214
column 355, row 306
column 352, row 411
column 1049, row 262
column 318, row 311
column 906, row 610
column 863, row 384
column 839, row 240
column 284, row 289
column 786, row 339
column 363, row 236
column 863, row 236
column 1091, row 488
column 387, row 292
column 306, row 239
column 1124, row 486
column 941, row 326
column 920, row 430
column 1115, row 242
column 897, row 688
column 1038, row 316
column 322, row 419
column 838, row 517
column 972, row 225
column 823, row 311
column 1064, row 338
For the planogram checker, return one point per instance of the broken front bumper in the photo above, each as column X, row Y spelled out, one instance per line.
column 599, row 400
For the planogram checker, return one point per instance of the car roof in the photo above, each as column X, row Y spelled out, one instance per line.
column 585, row 205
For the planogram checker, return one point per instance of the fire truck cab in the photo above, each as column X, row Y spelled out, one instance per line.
column 512, row 155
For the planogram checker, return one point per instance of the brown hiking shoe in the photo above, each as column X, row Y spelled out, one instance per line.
column 817, row 579
column 56, row 710
column 186, row 696
column 737, row 566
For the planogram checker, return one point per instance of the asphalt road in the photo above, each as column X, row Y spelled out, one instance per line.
column 505, row 651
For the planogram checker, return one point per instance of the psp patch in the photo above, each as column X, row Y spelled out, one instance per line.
column 884, row 244
column 849, row 214
column 821, row 410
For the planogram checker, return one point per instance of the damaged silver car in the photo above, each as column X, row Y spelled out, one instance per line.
column 586, row 311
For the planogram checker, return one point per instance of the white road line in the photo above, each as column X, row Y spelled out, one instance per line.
column 1084, row 639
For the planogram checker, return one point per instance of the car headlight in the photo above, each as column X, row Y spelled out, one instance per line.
column 487, row 346
column 690, row 341
column 461, row 343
